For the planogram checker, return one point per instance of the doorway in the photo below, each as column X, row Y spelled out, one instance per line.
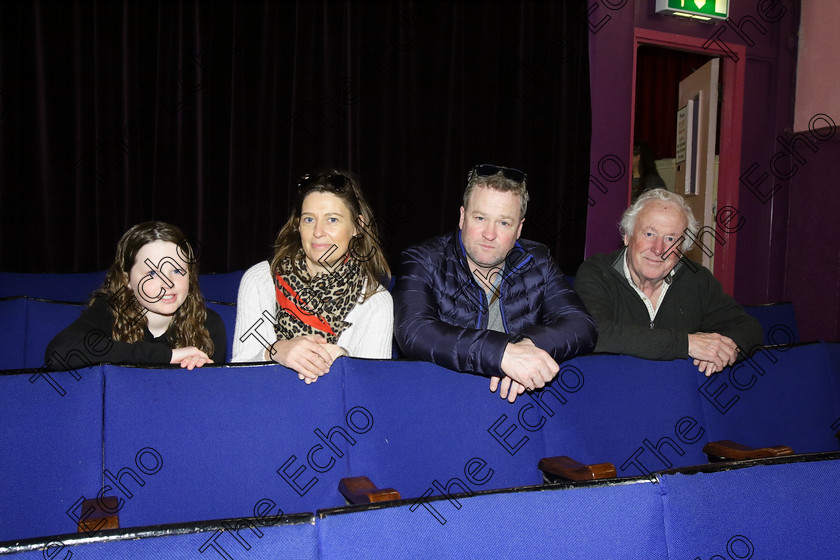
column 655, row 100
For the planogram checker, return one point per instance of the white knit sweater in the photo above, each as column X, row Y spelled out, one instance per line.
column 369, row 336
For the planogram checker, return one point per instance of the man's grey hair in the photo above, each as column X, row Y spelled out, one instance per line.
column 628, row 220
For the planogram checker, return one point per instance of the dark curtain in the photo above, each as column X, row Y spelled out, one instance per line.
column 659, row 72
column 204, row 115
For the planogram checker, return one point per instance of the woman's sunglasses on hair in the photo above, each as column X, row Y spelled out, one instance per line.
column 486, row 170
column 338, row 182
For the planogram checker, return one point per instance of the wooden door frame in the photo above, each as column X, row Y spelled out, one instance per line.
column 731, row 129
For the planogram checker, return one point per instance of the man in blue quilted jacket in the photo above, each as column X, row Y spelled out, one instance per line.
column 480, row 300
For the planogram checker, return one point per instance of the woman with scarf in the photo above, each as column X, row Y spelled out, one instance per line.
column 321, row 295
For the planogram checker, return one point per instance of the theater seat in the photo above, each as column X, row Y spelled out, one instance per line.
column 44, row 320
column 221, row 287
column 228, row 313
column 780, row 396
column 772, row 316
column 436, row 431
column 222, row 433
column 640, row 415
column 13, row 326
column 268, row 537
column 51, row 437
column 74, row 287
column 617, row 521
column 785, row 510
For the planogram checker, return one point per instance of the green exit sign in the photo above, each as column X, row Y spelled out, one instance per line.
column 704, row 10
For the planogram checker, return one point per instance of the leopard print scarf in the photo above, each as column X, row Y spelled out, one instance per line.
column 307, row 305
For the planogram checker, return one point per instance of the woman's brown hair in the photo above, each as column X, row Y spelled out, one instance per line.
column 364, row 247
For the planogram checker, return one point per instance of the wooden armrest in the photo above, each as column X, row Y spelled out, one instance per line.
column 360, row 490
column 726, row 450
column 99, row 519
column 566, row 467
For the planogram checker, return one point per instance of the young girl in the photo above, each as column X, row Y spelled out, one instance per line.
column 320, row 297
column 149, row 310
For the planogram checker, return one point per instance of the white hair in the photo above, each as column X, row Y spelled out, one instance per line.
column 628, row 220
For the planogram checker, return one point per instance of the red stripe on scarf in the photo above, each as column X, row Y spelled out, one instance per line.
column 295, row 308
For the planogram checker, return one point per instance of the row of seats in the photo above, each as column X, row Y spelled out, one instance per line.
column 31, row 323
column 77, row 287
column 184, row 446
column 771, row 510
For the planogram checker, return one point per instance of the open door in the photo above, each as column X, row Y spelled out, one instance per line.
column 723, row 242
column 696, row 173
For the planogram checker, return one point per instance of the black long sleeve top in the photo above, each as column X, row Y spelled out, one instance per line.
column 88, row 340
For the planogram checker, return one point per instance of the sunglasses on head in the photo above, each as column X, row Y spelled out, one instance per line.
column 338, row 182
column 486, row 170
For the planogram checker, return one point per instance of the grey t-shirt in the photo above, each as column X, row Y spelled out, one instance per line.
column 494, row 313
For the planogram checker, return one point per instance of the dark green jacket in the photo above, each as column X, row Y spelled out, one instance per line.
column 695, row 302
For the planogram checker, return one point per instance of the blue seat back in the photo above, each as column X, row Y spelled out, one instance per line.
column 222, row 287
column 769, row 511
column 51, row 437
column 44, row 320
column 13, row 325
column 295, row 539
column 78, row 286
column 773, row 315
column 221, row 433
column 780, row 396
column 430, row 425
column 616, row 521
column 74, row 286
column 228, row 313
column 640, row 415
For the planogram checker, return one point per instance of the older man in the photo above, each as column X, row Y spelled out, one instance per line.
column 650, row 304
column 477, row 300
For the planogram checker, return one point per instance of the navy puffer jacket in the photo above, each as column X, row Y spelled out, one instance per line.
column 441, row 311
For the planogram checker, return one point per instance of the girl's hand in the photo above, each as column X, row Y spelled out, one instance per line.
column 189, row 357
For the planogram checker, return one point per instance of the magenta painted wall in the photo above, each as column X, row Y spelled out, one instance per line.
column 813, row 253
column 768, row 256
column 817, row 81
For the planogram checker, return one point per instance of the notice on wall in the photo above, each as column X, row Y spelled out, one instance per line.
column 682, row 134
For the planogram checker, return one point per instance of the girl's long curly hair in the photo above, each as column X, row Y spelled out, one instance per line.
column 187, row 326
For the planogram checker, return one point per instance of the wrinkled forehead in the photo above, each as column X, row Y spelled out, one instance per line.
column 486, row 199
column 664, row 217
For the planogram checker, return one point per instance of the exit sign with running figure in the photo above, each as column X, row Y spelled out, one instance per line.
column 704, row 10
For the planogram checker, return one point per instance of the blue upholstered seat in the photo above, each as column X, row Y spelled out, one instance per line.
column 768, row 511
column 73, row 286
column 618, row 521
column 222, row 287
column 640, row 415
column 227, row 311
column 778, row 321
column 212, row 442
column 13, row 325
column 780, row 396
column 429, row 423
column 222, row 433
column 51, row 437
column 238, row 538
column 44, row 320
column 78, row 286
